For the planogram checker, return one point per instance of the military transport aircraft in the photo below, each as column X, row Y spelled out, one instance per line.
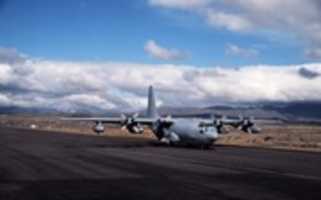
column 170, row 130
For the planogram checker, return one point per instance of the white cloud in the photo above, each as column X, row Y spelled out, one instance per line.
column 231, row 22
column 4, row 100
column 301, row 19
column 72, row 86
column 156, row 51
column 5, row 73
column 235, row 50
column 11, row 56
column 313, row 53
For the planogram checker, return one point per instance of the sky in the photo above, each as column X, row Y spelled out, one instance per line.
column 69, row 54
column 118, row 31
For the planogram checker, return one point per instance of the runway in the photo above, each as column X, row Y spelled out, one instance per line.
column 47, row 165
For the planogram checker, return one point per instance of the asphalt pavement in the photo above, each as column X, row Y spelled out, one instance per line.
column 51, row 165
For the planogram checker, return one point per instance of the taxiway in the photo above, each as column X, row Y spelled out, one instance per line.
column 50, row 165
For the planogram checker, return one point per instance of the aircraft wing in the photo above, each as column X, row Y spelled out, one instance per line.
column 109, row 120
column 231, row 122
column 225, row 121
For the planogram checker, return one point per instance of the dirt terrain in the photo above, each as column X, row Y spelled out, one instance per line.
column 291, row 137
column 281, row 136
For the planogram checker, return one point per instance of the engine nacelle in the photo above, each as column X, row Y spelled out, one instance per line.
column 135, row 129
column 99, row 128
column 248, row 125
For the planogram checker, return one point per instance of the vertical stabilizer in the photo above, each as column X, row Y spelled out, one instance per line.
column 151, row 107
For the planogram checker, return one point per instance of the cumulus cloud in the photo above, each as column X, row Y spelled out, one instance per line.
column 291, row 17
column 156, row 51
column 235, row 50
column 308, row 73
column 4, row 100
column 313, row 53
column 11, row 56
column 231, row 22
column 72, row 86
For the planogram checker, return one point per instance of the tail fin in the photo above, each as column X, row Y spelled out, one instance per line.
column 151, row 107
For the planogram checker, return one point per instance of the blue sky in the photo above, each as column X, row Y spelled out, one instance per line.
column 118, row 30
column 97, row 54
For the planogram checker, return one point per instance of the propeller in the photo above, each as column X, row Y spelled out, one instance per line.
column 247, row 125
column 218, row 123
column 99, row 127
column 167, row 119
column 128, row 120
column 129, row 123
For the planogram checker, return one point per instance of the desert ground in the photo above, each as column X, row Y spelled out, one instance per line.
column 300, row 137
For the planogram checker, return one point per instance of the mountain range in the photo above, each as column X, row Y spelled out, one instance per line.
column 287, row 111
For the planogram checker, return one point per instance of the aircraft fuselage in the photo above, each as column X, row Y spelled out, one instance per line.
column 187, row 131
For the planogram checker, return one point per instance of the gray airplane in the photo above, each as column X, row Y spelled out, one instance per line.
column 172, row 131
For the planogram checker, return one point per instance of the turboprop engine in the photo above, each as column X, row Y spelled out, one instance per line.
column 248, row 125
column 219, row 124
column 131, row 125
column 99, row 128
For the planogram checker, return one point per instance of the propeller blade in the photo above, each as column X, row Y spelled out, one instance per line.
column 135, row 115
column 123, row 118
